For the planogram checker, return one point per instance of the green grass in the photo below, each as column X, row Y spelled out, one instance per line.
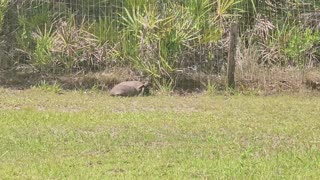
column 78, row 135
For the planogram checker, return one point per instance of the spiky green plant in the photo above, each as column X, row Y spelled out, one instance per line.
column 146, row 29
column 33, row 18
column 223, row 9
column 49, row 87
column 159, row 40
column 3, row 10
column 42, row 56
column 105, row 30
column 211, row 89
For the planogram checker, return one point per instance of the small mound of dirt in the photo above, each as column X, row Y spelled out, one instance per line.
column 102, row 80
column 313, row 80
column 194, row 82
column 22, row 77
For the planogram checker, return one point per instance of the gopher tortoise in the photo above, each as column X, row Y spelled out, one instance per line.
column 129, row 88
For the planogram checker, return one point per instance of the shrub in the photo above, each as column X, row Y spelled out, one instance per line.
column 3, row 10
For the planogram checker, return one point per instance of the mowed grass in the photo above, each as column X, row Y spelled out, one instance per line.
column 77, row 135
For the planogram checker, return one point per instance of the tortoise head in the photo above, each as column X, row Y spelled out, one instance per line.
column 145, row 88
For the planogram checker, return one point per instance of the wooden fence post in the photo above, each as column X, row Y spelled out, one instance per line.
column 232, row 55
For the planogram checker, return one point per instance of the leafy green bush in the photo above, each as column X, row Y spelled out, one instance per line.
column 158, row 38
column 299, row 43
column 290, row 44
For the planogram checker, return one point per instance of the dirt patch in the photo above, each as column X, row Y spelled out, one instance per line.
column 268, row 81
column 102, row 80
column 15, row 80
column 313, row 80
column 273, row 80
column 24, row 77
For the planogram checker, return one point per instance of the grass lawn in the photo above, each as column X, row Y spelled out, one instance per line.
column 77, row 135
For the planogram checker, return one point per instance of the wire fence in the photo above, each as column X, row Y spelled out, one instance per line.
column 171, row 42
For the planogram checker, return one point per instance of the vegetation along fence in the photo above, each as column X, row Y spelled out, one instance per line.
column 168, row 41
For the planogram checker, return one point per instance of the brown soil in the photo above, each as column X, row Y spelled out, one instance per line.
column 26, row 78
column 313, row 80
column 268, row 82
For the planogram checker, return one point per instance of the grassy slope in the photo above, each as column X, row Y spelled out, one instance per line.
column 77, row 135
